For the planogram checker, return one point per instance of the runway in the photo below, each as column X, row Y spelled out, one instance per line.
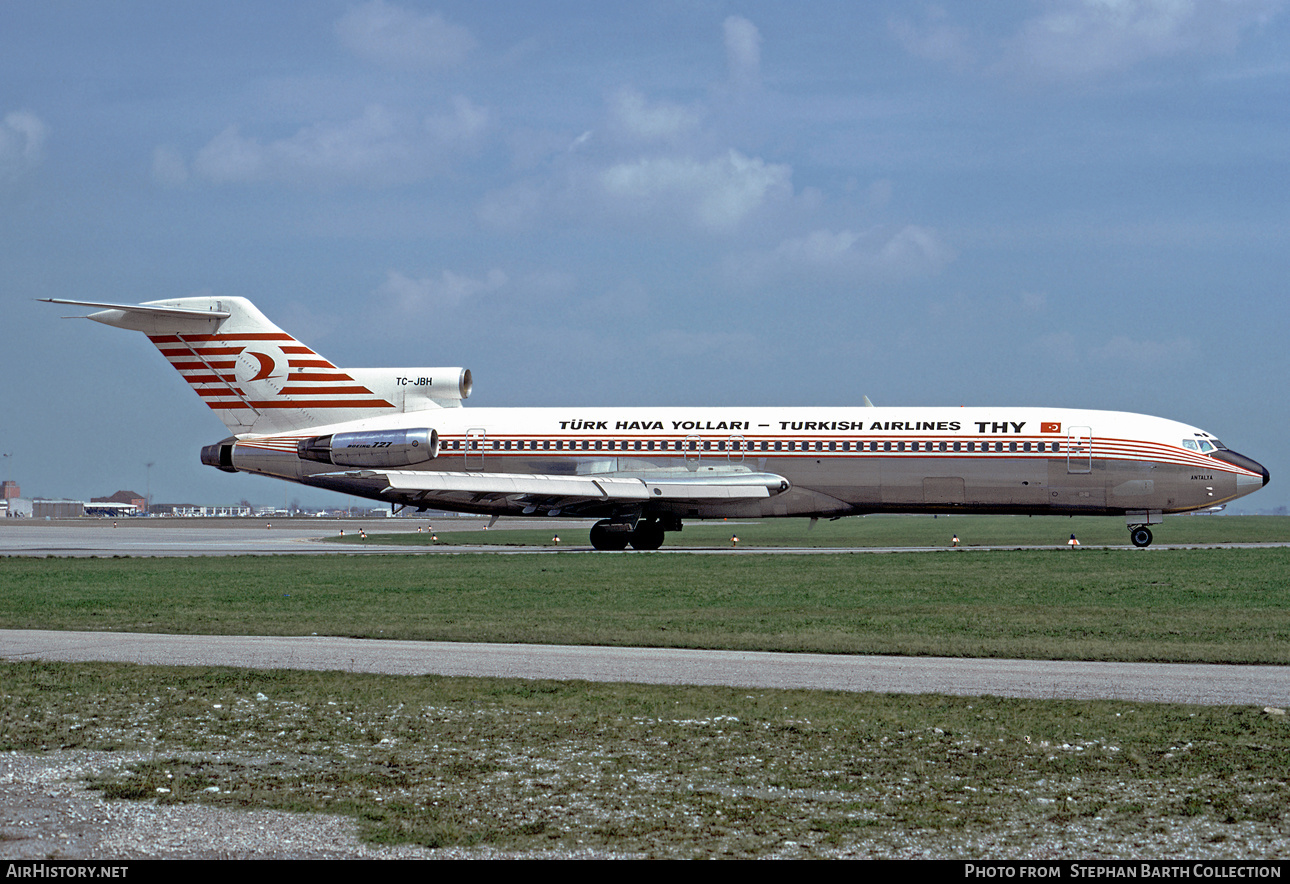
column 1025, row 679
column 254, row 537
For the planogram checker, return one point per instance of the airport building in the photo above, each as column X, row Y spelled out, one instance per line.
column 189, row 511
column 57, row 509
column 16, row 508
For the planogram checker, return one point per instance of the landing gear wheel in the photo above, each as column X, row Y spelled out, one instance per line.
column 648, row 535
column 1140, row 535
column 604, row 539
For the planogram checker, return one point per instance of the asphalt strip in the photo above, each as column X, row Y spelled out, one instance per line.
column 1206, row 684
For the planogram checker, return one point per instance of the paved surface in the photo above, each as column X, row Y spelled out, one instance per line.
column 253, row 537
column 209, row 537
column 1032, row 679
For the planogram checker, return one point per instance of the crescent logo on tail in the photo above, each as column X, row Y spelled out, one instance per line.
column 266, row 365
column 261, row 372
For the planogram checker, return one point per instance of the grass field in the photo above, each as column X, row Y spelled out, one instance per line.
column 691, row 772
column 1212, row 605
column 675, row 771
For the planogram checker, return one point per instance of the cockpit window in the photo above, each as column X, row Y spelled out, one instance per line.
column 1191, row 443
column 1205, row 447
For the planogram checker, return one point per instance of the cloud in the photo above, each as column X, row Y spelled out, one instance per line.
column 1123, row 350
column 936, row 40
column 461, row 128
column 845, row 256
column 1075, row 39
column 743, row 52
column 715, row 195
column 378, row 148
column 414, row 297
column 1065, row 348
column 400, row 38
column 641, row 120
column 1102, row 36
column 22, row 144
column 512, row 207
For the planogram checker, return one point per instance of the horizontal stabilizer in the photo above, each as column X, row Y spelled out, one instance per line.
column 143, row 309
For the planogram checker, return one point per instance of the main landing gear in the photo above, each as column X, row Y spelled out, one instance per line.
column 1140, row 535
column 614, row 536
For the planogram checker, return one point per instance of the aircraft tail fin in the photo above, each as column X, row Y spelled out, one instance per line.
column 256, row 377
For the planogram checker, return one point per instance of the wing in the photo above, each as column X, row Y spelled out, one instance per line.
column 526, row 493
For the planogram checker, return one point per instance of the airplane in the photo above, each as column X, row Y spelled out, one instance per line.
column 401, row 436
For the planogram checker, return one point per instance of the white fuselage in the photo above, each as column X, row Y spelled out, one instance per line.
column 838, row 461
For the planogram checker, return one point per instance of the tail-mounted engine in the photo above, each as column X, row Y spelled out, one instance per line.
column 373, row 448
column 220, row 455
column 416, row 389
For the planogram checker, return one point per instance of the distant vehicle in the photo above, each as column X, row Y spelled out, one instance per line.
column 400, row 435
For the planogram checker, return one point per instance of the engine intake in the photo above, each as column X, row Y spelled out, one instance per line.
column 372, row 448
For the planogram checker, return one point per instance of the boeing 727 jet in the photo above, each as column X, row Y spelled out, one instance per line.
column 400, row 435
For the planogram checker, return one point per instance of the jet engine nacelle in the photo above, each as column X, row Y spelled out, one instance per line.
column 372, row 448
column 416, row 389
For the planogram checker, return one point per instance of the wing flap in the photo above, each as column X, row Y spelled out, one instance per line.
column 566, row 491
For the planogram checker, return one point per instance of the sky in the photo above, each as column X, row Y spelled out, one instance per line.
column 1075, row 203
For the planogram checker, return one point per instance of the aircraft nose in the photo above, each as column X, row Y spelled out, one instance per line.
column 1245, row 463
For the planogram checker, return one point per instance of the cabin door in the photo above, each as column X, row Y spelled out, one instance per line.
column 693, row 444
column 735, row 446
column 1079, row 449
column 475, row 441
